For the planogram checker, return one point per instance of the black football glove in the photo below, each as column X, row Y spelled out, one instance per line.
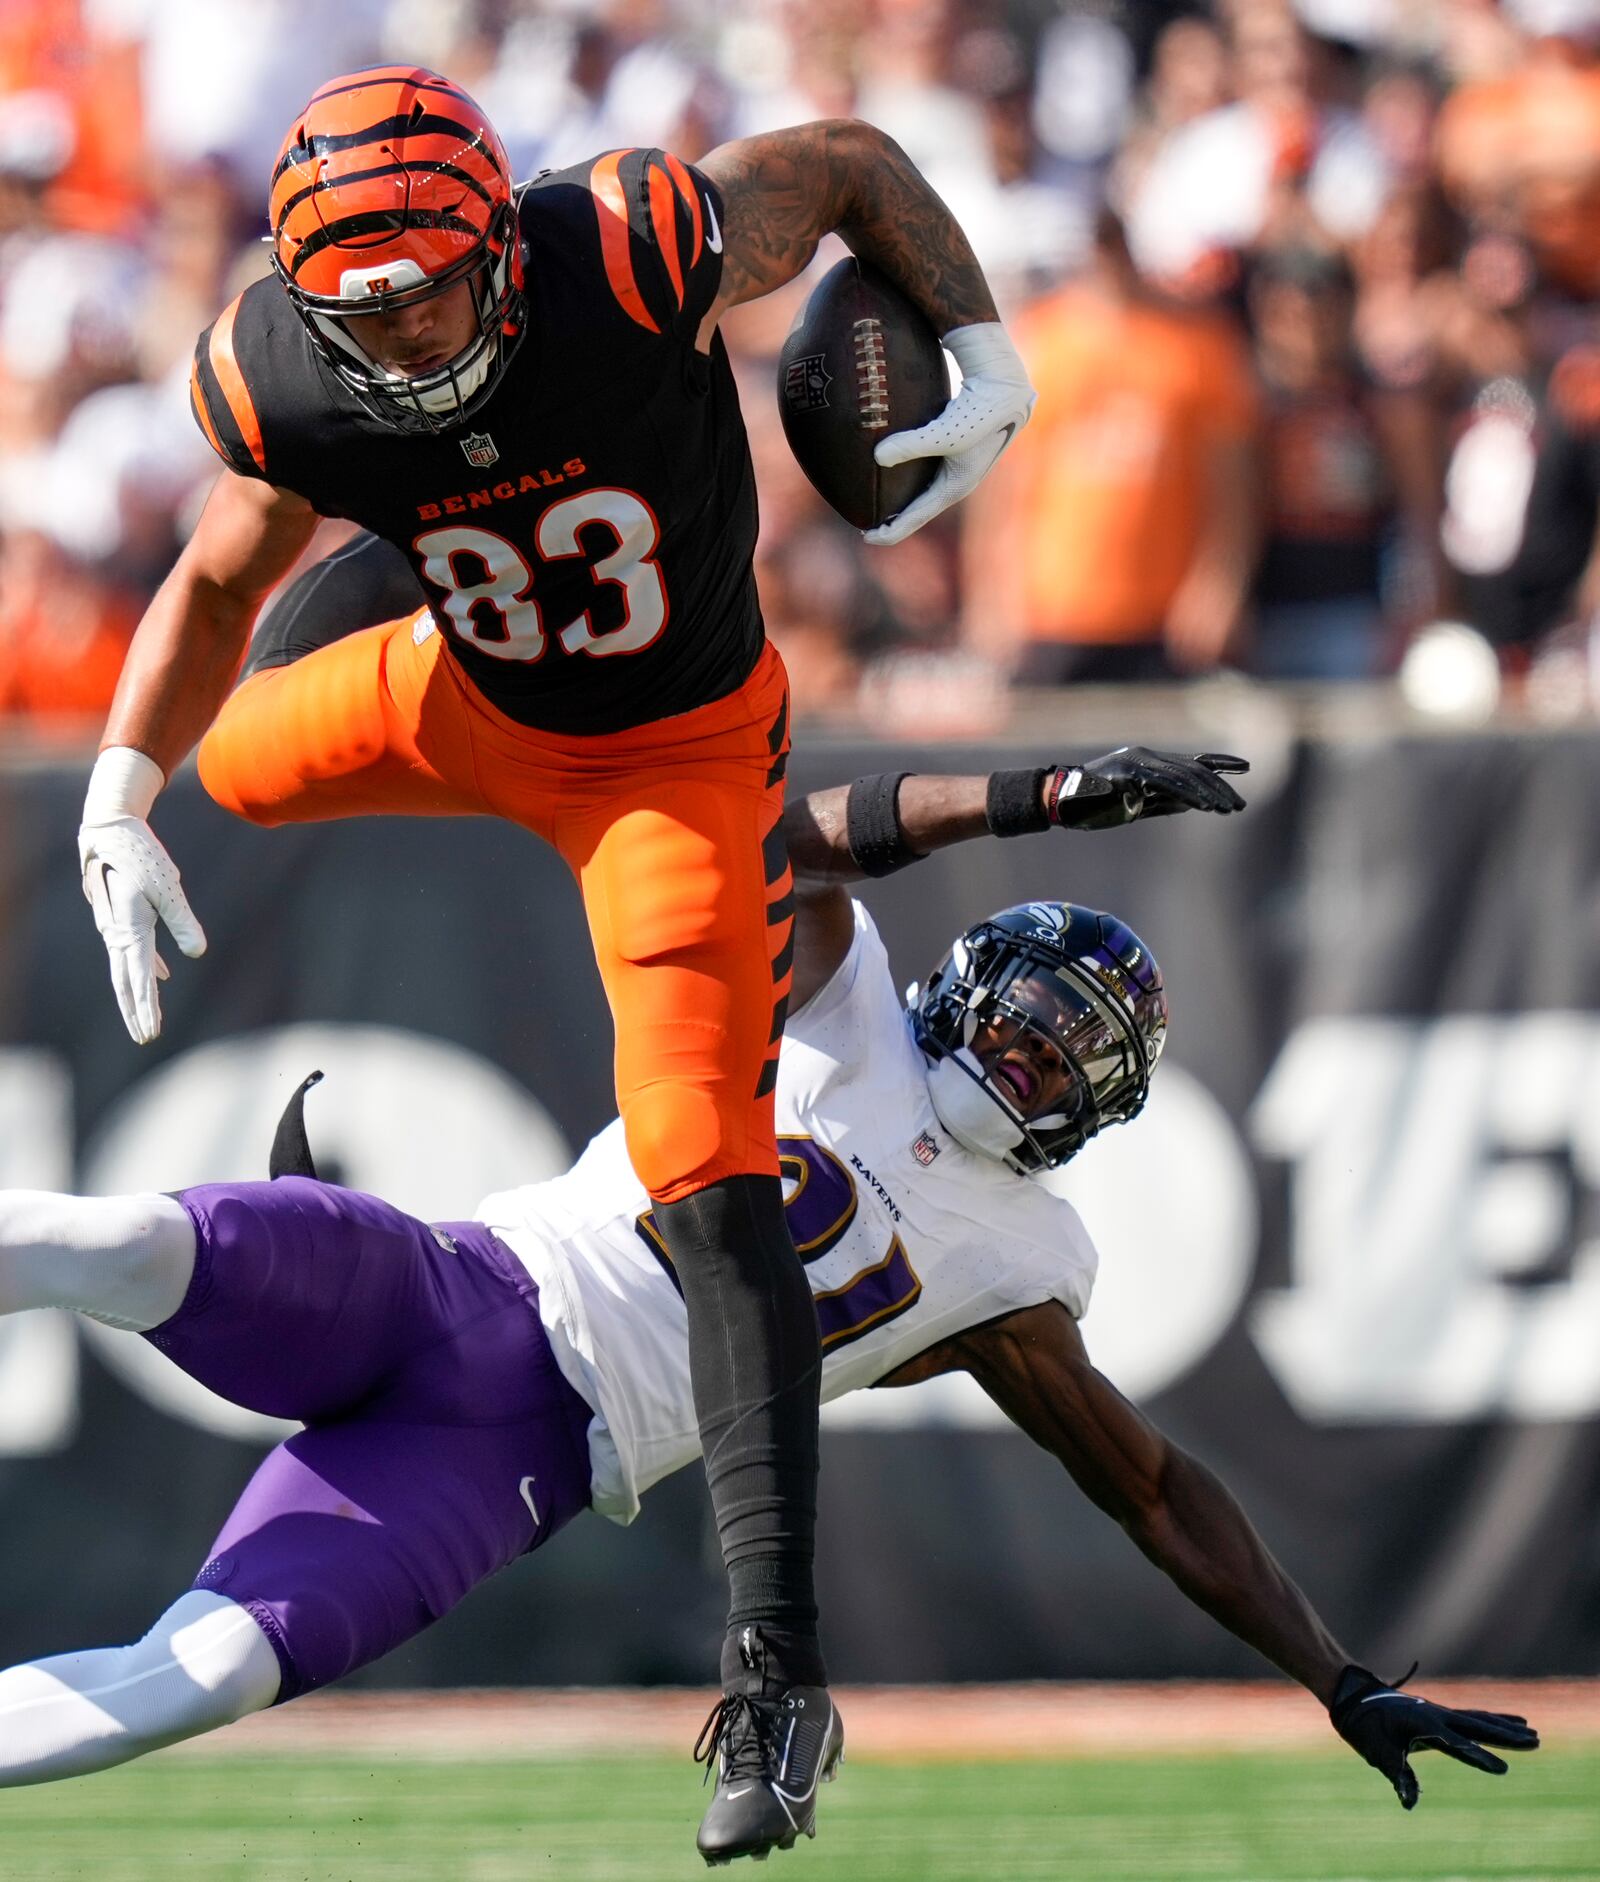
column 1131, row 782
column 1386, row 1726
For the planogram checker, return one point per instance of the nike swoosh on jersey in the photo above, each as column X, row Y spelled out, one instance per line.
column 713, row 233
column 525, row 1490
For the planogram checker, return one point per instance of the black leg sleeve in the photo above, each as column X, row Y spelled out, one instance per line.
column 756, row 1365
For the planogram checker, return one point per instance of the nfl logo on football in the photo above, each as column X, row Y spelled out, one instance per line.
column 480, row 449
column 806, row 382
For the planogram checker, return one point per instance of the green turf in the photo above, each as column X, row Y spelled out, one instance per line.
column 1244, row 1818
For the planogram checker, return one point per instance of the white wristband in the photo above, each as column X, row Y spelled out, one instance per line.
column 123, row 783
column 985, row 350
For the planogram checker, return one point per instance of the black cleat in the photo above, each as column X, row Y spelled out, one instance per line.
column 770, row 1756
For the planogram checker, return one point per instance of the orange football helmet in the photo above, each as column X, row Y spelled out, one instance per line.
column 391, row 187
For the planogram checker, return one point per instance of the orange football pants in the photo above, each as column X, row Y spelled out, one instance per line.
column 671, row 830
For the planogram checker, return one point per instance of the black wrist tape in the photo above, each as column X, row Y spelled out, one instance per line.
column 878, row 845
column 1015, row 803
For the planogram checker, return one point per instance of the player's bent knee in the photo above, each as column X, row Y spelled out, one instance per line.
column 152, row 1260
column 281, row 742
column 231, row 773
column 678, row 1140
column 205, row 1664
column 125, row 1260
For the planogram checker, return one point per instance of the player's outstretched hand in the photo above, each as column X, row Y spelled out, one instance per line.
column 1386, row 1726
column 130, row 880
column 1130, row 783
column 969, row 434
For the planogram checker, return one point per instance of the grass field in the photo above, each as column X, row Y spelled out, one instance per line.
column 1257, row 1817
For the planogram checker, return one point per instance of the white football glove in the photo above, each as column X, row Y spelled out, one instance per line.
column 130, row 879
column 969, row 434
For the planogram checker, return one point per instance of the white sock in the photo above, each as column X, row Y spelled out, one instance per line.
column 204, row 1664
column 126, row 1260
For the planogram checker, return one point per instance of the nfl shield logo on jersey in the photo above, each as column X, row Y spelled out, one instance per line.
column 479, row 447
column 925, row 1149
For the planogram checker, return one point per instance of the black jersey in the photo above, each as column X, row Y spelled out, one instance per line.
column 585, row 540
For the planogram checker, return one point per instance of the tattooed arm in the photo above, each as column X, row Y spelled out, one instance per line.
column 783, row 192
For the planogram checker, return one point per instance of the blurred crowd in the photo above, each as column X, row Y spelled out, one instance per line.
column 1308, row 294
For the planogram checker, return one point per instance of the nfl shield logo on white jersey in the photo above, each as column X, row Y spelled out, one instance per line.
column 479, row 447
column 925, row 1149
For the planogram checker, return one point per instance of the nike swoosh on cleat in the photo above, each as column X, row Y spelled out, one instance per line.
column 743, row 1791
column 714, row 236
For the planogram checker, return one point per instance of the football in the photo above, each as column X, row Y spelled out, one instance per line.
column 860, row 362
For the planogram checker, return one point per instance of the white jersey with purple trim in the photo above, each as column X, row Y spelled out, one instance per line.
column 907, row 1237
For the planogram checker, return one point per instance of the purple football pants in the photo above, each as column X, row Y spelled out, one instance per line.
column 442, row 1440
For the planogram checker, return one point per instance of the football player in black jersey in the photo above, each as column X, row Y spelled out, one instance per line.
column 525, row 392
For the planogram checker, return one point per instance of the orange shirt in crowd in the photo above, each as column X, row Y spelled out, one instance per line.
column 1530, row 141
column 46, row 46
column 63, row 639
column 1094, row 514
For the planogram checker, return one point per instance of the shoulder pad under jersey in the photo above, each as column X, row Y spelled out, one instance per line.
column 656, row 223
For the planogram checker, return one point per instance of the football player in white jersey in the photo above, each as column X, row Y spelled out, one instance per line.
column 468, row 1387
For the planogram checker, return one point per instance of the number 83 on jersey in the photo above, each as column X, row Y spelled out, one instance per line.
column 490, row 584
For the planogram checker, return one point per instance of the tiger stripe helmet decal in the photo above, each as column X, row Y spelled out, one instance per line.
column 391, row 187
column 395, row 164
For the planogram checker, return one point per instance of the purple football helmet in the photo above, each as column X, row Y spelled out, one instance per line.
column 1053, row 985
